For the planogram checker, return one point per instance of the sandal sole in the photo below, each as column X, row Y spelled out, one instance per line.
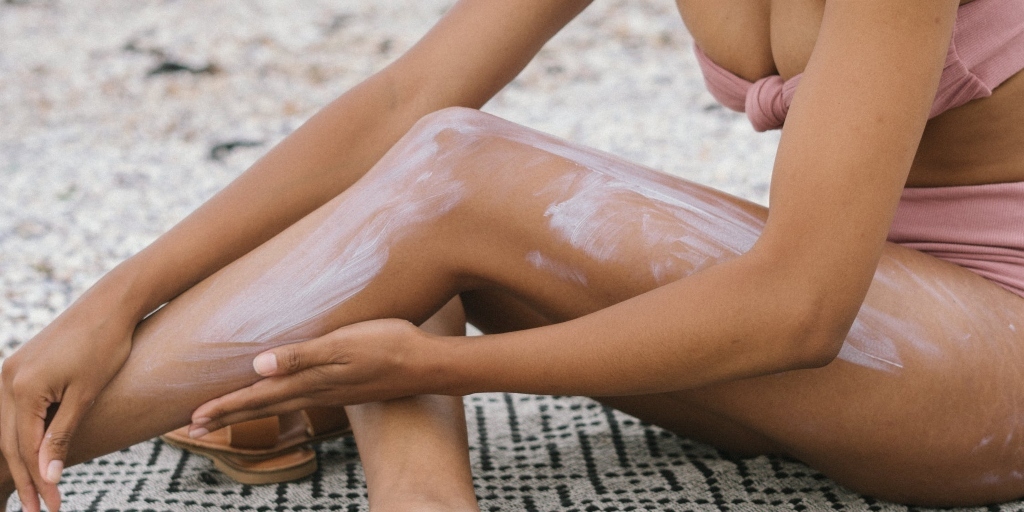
column 278, row 468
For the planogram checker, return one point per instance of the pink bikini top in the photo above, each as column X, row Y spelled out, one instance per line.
column 987, row 48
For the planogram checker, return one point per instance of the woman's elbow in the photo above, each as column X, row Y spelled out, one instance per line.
column 810, row 315
column 817, row 336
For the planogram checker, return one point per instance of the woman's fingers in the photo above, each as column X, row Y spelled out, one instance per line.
column 296, row 357
column 30, row 426
column 54, row 449
column 353, row 364
column 50, row 494
column 291, row 375
column 10, row 447
column 231, row 418
column 44, row 376
column 259, row 396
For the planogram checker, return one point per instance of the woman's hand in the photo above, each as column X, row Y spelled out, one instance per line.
column 363, row 362
column 47, row 386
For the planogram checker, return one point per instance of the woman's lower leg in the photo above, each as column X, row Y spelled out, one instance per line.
column 414, row 450
column 371, row 253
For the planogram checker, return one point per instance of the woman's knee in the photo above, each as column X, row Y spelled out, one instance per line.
column 459, row 119
column 469, row 146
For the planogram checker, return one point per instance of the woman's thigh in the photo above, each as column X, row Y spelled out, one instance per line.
column 922, row 399
column 923, row 402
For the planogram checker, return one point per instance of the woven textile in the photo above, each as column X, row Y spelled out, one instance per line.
column 530, row 453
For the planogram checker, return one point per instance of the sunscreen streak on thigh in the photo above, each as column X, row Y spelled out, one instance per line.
column 686, row 231
column 602, row 210
column 870, row 341
column 609, row 204
column 684, row 228
column 951, row 343
column 599, row 209
column 286, row 290
column 338, row 258
column 987, row 334
column 877, row 337
column 562, row 270
column 607, row 219
column 717, row 224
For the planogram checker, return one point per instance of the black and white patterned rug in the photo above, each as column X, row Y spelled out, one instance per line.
column 529, row 453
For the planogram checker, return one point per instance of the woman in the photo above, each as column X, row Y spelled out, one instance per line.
column 678, row 304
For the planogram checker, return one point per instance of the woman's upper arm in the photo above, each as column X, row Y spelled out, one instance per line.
column 477, row 48
column 847, row 146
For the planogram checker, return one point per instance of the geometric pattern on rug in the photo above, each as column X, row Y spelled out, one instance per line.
column 529, row 453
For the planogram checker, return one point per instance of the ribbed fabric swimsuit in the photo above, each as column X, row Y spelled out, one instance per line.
column 979, row 227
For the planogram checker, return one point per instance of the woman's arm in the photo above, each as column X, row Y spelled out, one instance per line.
column 475, row 50
column 788, row 303
column 846, row 150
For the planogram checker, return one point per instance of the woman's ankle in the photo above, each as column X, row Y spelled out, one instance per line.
column 424, row 502
column 424, row 506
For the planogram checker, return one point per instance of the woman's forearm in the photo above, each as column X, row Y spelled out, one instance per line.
column 727, row 322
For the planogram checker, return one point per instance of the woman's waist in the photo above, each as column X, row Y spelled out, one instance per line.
column 979, row 227
column 956, row 170
column 977, row 143
column 982, row 215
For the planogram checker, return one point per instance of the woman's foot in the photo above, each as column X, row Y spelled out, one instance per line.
column 269, row 450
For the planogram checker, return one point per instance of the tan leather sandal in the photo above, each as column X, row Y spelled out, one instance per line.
column 269, row 450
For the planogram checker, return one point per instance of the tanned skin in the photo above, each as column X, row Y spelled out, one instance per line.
column 739, row 351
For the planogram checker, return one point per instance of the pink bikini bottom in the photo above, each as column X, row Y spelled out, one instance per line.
column 979, row 227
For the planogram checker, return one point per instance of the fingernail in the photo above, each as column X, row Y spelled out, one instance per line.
column 198, row 422
column 265, row 364
column 197, row 433
column 54, row 470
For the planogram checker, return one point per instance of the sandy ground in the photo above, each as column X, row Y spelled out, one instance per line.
column 99, row 154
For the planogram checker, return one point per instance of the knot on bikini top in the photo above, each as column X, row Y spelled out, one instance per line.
column 767, row 101
column 987, row 48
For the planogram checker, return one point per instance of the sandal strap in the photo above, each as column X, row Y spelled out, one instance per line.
column 258, row 434
column 324, row 420
column 263, row 434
